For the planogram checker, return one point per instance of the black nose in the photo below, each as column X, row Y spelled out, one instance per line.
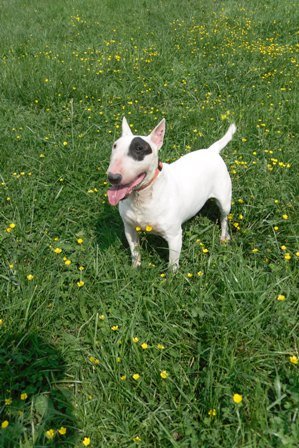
column 114, row 179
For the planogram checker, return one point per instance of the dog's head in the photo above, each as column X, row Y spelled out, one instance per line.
column 133, row 162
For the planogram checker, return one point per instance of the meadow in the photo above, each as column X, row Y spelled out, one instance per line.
column 95, row 353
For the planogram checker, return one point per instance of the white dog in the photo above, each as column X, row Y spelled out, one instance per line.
column 165, row 196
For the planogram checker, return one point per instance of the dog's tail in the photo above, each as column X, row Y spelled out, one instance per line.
column 220, row 144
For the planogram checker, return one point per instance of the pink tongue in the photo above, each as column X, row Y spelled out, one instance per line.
column 117, row 193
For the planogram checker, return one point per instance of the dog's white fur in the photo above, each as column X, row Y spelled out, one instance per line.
column 178, row 193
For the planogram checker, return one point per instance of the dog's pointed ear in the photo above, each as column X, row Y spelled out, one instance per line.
column 157, row 135
column 126, row 130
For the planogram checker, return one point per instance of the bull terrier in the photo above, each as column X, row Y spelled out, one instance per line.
column 165, row 196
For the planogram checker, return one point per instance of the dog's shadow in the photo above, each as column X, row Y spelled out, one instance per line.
column 109, row 229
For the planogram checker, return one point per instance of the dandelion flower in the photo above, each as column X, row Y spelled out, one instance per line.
column 237, row 398
column 294, row 359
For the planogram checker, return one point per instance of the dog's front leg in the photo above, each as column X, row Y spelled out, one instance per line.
column 133, row 240
column 175, row 246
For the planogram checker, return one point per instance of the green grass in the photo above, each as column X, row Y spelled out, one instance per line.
column 69, row 72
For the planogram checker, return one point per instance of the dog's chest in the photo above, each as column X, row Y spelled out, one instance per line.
column 142, row 213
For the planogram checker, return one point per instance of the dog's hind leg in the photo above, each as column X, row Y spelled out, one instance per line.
column 224, row 207
column 133, row 241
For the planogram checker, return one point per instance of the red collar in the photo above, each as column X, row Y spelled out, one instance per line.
column 157, row 172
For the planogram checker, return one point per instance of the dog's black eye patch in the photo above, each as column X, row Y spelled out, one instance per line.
column 139, row 148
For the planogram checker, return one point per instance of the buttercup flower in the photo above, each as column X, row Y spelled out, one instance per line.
column 294, row 359
column 86, row 441
column 136, row 376
column 24, row 396
column 115, row 327
column 80, row 241
column 50, row 434
column 135, row 340
column 80, row 283
column 137, row 439
column 148, row 228
column 30, row 277
column 281, row 297
column 144, row 345
column 57, row 250
column 4, row 424
column 62, row 431
column 212, row 412
column 164, row 374
column 8, row 401
column 237, row 398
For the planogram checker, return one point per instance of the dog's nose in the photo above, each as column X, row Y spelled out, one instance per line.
column 114, row 179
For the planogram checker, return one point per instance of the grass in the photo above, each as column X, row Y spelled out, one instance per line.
column 69, row 72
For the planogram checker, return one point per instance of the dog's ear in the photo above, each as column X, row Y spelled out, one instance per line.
column 157, row 135
column 126, row 130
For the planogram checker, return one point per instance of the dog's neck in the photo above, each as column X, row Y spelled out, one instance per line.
column 152, row 179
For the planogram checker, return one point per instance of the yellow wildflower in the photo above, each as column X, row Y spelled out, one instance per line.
column 30, row 277
column 212, row 412
column 137, row 439
column 148, row 228
column 86, row 441
column 136, row 376
column 50, row 434
column 62, row 431
column 8, row 401
column 135, row 340
column 144, row 345
column 294, row 359
column 80, row 283
column 164, row 374
column 287, row 257
column 281, row 297
column 4, row 424
column 285, row 216
column 237, row 398
column 115, row 327
column 57, row 250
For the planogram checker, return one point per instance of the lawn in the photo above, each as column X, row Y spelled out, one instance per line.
column 95, row 353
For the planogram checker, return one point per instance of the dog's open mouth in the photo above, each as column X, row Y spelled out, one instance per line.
column 118, row 192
